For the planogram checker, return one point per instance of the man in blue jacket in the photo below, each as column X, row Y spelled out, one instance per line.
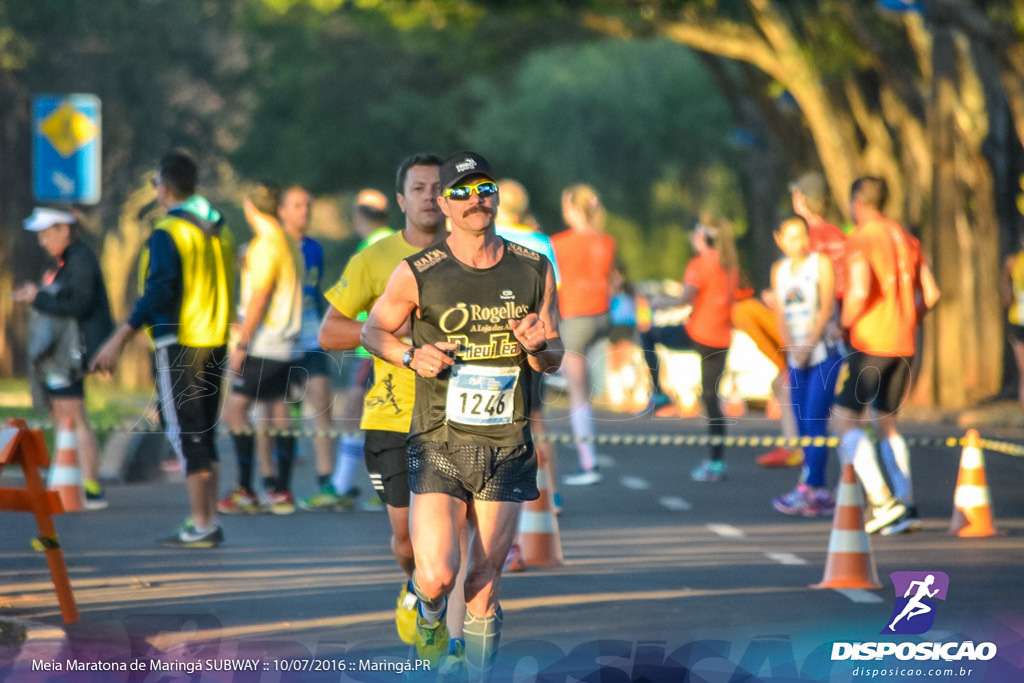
column 187, row 306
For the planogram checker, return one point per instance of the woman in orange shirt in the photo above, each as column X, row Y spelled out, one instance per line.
column 586, row 262
column 709, row 284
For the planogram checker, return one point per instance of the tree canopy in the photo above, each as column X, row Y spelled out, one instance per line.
column 665, row 106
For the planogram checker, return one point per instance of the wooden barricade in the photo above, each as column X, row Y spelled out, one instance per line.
column 26, row 447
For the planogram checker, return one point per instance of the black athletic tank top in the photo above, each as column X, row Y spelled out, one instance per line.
column 484, row 397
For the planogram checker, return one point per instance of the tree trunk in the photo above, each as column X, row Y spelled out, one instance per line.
column 119, row 260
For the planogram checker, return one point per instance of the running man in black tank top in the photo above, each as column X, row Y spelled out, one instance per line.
column 484, row 318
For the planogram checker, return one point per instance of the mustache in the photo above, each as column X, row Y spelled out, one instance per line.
column 479, row 208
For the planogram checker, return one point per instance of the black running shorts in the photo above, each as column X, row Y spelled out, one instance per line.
column 474, row 471
column 387, row 462
column 316, row 363
column 262, row 379
column 188, row 381
column 74, row 390
column 877, row 381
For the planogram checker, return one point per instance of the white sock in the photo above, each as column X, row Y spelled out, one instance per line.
column 350, row 457
column 430, row 610
column 581, row 419
column 858, row 449
column 896, row 456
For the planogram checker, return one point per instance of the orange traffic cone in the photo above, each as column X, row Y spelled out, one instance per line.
column 64, row 476
column 538, row 527
column 972, row 507
column 850, row 563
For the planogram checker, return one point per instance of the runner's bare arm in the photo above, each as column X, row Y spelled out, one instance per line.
column 255, row 309
column 338, row 332
column 388, row 317
column 826, row 297
column 777, row 310
column 929, row 288
column 858, row 283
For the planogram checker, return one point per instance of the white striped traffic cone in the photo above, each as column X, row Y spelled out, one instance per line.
column 64, row 476
column 972, row 506
column 850, row 563
column 538, row 527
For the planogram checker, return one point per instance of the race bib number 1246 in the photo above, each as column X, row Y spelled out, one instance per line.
column 481, row 395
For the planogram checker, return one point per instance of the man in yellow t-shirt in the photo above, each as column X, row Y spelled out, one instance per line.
column 266, row 348
column 339, row 492
column 388, row 404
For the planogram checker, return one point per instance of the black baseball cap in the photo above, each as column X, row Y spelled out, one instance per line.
column 463, row 165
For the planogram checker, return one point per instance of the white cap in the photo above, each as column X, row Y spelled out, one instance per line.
column 41, row 219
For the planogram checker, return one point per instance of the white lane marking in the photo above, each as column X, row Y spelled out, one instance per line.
column 635, row 483
column 860, row 595
column 785, row 558
column 726, row 530
column 673, row 503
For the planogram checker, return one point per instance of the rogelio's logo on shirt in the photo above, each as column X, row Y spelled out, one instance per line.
column 916, row 593
column 462, row 314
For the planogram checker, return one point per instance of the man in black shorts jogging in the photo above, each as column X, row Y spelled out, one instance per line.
column 388, row 403
column 484, row 319
column 889, row 288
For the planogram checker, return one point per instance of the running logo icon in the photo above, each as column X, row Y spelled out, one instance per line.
column 916, row 593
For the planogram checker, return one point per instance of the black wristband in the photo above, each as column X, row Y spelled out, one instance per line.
column 542, row 349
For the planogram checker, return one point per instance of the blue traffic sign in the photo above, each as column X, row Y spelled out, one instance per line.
column 66, row 137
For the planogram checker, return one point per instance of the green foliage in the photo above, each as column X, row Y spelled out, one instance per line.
column 333, row 94
column 402, row 14
column 653, row 253
column 344, row 95
column 342, row 101
column 15, row 49
column 167, row 73
column 622, row 116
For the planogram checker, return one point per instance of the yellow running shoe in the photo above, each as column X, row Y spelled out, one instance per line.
column 405, row 615
column 431, row 640
column 279, row 503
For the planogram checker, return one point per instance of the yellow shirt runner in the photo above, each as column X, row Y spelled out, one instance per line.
column 388, row 403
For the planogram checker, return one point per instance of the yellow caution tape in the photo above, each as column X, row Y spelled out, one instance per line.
column 681, row 439
column 44, row 543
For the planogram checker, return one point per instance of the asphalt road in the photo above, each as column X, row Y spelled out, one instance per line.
column 665, row 580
